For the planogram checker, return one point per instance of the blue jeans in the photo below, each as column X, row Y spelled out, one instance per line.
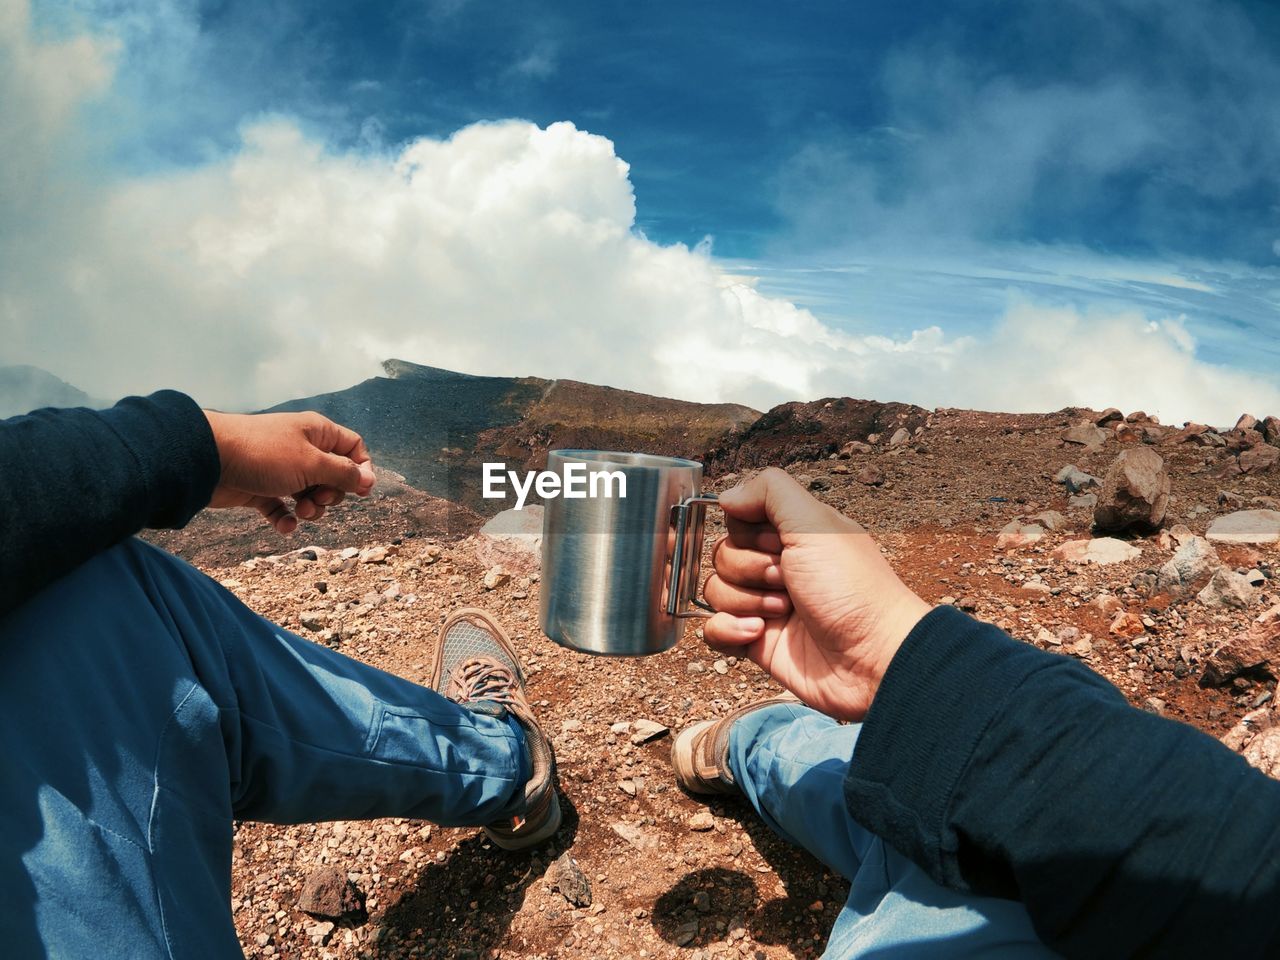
column 791, row 761
column 143, row 707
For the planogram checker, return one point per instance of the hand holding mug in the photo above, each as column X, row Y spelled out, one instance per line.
column 804, row 592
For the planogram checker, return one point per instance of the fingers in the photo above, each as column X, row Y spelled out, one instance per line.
column 276, row 513
column 338, row 471
column 754, row 536
column 747, row 567
column 724, row 630
column 333, row 437
column 773, row 496
column 742, row 601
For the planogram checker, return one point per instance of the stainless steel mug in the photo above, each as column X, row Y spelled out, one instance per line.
column 620, row 573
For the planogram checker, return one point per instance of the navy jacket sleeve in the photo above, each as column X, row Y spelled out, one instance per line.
column 1012, row 772
column 74, row 482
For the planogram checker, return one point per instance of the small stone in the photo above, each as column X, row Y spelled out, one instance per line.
column 1085, row 501
column 694, row 667
column 721, row 667
column 1127, row 625
column 373, row 555
column 635, row 836
column 495, row 577
column 642, row 731
column 1017, row 534
column 1192, row 562
column 871, row 475
column 854, row 447
column 900, row 436
column 314, row 619
column 572, row 725
column 702, row 821
column 1075, row 479
column 328, row 893
column 568, row 878
column 628, row 787
column 1155, row 705
column 621, row 727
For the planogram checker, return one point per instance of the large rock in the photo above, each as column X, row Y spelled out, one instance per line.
column 1259, row 459
column 1102, row 551
column 1086, row 435
column 1192, row 562
column 1246, row 526
column 1226, row 588
column 1135, row 492
column 1247, row 422
column 512, row 540
column 1253, row 655
column 1257, row 738
column 1271, row 430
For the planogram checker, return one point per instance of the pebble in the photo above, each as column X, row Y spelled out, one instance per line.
column 721, row 667
column 702, row 821
column 642, row 731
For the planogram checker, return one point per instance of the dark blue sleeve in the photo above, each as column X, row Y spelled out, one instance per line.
column 1008, row 771
column 74, row 482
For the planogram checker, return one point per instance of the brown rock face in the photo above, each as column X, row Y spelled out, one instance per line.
column 1135, row 492
column 1259, row 459
column 1271, row 430
column 1109, row 416
column 1247, row 422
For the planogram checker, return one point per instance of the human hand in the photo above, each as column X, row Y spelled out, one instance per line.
column 805, row 592
column 304, row 456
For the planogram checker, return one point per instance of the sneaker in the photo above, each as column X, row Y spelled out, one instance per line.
column 476, row 666
column 700, row 754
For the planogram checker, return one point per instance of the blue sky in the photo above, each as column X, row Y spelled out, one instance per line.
column 887, row 167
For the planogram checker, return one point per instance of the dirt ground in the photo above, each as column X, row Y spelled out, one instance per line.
column 664, row 884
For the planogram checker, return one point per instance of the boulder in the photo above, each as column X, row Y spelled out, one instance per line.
column 1226, row 588
column 1135, row 492
column 512, row 540
column 1259, row 459
column 1192, row 562
column 1086, row 435
column 1271, row 430
column 1246, row 526
column 1102, row 551
column 900, row 436
column 1109, row 416
column 1050, row 519
column 1246, row 422
column 1252, row 655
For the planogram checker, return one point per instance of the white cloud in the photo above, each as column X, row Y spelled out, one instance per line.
column 285, row 268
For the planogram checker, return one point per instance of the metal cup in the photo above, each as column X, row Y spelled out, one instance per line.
column 620, row 574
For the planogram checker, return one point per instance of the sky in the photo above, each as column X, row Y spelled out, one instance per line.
column 1002, row 204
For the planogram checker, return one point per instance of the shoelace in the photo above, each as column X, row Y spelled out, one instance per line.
column 483, row 679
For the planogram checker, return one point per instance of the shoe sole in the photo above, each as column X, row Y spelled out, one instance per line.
column 524, row 841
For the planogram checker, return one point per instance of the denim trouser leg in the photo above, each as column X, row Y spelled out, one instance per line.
column 143, row 707
column 791, row 761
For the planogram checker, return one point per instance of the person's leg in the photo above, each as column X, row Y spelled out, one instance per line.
column 790, row 762
column 142, row 707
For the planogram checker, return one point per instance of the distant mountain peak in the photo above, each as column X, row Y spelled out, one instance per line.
column 24, row 388
column 405, row 370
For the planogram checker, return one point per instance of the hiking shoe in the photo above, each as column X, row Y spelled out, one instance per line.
column 477, row 667
column 700, row 754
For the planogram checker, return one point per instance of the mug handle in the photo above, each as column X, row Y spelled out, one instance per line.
column 675, row 595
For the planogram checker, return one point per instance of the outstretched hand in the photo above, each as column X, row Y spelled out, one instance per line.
column 267, row 457
column 804, row 592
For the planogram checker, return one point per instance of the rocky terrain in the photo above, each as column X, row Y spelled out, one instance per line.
column 1148, row 552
